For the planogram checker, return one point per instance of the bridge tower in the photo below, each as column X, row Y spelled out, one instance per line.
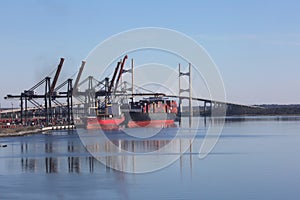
column 189, row 89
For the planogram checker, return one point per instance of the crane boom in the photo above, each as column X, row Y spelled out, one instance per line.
column 114, row 77
column 121, row 71
column 56, row 75
column 75, row 87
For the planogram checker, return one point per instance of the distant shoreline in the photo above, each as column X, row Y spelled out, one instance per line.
column 258, row 110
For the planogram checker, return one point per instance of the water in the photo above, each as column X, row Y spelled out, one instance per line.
column 255, row 158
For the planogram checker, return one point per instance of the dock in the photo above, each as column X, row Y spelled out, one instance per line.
column 66, row 127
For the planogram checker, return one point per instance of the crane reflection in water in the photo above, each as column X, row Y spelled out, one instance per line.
column 61, row 154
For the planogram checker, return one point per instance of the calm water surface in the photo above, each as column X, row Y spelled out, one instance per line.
column 256, row 158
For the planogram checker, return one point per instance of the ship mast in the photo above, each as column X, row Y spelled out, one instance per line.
column 132, row 78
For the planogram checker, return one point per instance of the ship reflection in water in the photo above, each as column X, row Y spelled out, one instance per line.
column 133, row 154
column 66, row 154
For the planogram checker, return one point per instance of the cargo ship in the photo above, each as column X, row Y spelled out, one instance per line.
column 156, row 112
column 113, row 109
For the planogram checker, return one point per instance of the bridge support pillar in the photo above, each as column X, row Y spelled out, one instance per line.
column 190, row 95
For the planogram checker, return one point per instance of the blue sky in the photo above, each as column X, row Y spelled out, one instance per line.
column 255, row 44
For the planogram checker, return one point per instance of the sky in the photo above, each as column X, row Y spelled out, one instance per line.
column 255, row 44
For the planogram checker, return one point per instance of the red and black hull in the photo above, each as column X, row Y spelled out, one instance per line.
column 157, row 120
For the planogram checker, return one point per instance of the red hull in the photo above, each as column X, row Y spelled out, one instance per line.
column 104, row 124
column 152, row 124
column 114, row 124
